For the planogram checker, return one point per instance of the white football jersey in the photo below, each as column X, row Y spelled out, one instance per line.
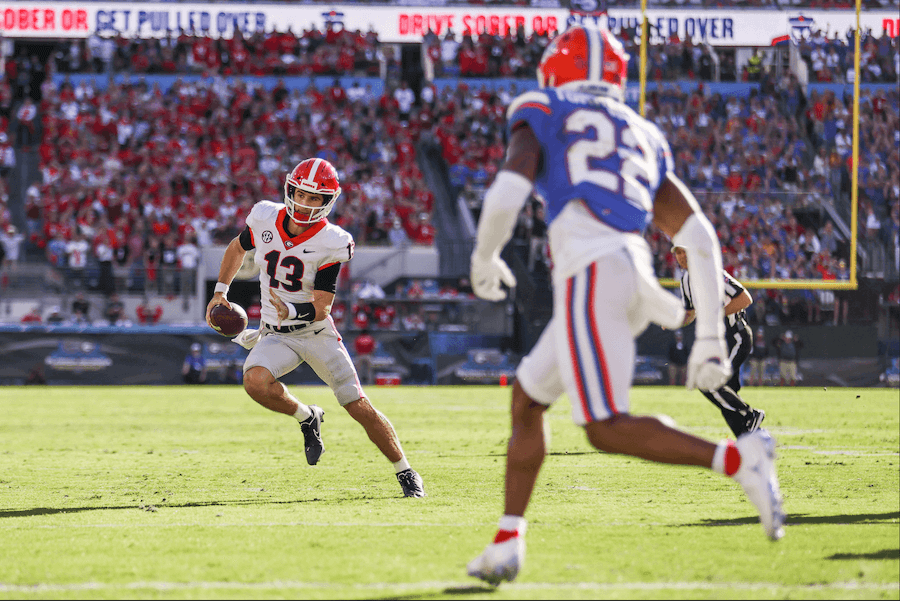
column 289, row 264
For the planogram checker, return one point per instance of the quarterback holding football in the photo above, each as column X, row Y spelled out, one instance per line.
column 299, row 254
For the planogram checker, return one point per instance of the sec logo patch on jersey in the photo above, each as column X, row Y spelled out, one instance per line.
column 267, row 236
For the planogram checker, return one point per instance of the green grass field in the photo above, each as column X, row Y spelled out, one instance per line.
column 199, row 493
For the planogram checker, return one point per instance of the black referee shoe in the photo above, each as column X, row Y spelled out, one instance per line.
column 755, row 419
column 312, row 436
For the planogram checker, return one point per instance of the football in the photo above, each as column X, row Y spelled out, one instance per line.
column 228, row 322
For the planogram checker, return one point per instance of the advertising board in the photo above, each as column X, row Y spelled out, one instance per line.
column 406, row 24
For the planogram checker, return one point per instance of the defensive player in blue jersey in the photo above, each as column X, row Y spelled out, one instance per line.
column 605, row 174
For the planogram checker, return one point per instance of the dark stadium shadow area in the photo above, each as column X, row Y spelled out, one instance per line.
column 470, row 590
column 801, row 518
column 883, row 554
column 18, row 513
column 551, row 454
column 451, row 591
column 860, row 518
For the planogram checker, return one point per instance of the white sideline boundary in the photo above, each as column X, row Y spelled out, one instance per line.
column 161, row 586
column 343, row 525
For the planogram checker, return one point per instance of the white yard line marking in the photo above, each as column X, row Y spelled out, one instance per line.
column 21, row 526
column 406, row 586
column 818, row 451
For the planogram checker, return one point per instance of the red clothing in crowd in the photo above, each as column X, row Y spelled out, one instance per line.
column 146, row 315
column 364, row 345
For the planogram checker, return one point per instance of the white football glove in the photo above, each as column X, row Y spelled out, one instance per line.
column 487, row 275
column 247, row 338
column 708, row 367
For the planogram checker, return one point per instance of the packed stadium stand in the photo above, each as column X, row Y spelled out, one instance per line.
column 139, row 173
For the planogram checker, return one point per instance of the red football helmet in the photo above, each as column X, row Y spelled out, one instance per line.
column 585, row 54
column 316, row 176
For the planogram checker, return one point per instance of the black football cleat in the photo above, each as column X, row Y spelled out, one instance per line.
column 312, row 435
column 411, row 483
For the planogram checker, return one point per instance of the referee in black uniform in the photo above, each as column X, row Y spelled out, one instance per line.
column 739, row 416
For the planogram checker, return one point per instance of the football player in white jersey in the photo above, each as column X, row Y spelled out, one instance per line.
column 604, row 173
column 300, row 254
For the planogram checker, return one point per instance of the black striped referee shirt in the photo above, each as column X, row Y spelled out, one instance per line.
column 734, row 322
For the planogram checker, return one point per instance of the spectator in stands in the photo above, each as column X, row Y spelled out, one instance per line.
column 828, row 238
column 788, row 350
column 169, row 280
column 384, row 316
column 33, row 316
column 405, row 97
column 758, row 358
column 103, row 252
column 423, row 232
column 397, row 234
column 148, row 315
column 115, row 310
column 55, row 316
column 7, row 155
column 188, row 255
column 56, row 251
column 364, row 347
column 193, row 370
column 77, row 251
column 11, row 242
column 413, row 320
column 890, row 235
column 81, row 309
column 678, row 356
column 361, row 315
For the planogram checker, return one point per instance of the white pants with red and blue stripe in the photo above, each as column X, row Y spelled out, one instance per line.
column 588, row 348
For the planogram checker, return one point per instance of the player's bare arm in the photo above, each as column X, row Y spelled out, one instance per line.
column 673, row 205
column 231, row 263
column 523, row 156
column 322, row 301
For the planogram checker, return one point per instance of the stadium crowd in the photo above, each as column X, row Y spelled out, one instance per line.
column 138, row 172
column 335, row 51
column 136, row 178
column 829, row 56
column 308, row 52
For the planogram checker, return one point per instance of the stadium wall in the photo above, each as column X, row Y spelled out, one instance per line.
column 153, row 355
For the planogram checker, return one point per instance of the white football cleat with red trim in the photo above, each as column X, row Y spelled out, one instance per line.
column 501, row 560
column 757, row 476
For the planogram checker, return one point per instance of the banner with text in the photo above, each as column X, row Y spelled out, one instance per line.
column 408, row 24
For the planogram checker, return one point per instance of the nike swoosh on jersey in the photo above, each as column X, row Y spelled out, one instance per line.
column 306, row 250
column 318, row 331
